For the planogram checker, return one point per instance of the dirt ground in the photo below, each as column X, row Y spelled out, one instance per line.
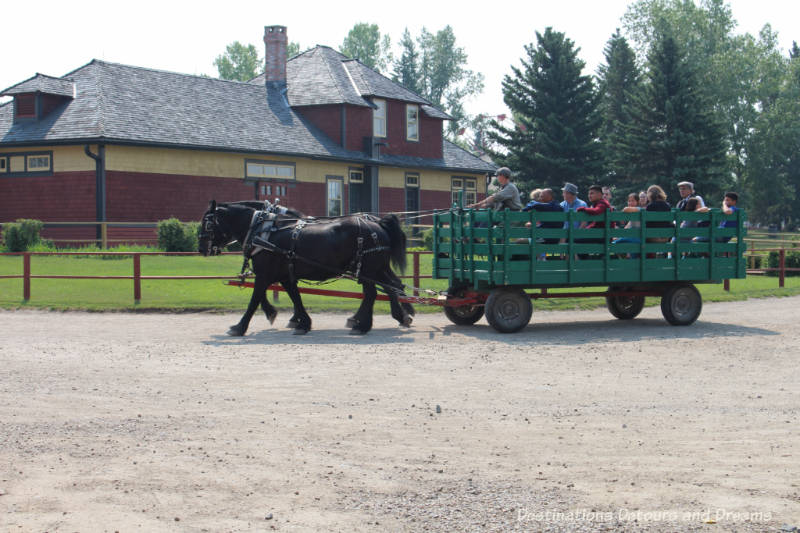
column 157, row 422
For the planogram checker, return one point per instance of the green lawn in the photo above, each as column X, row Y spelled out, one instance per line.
column 179, row 295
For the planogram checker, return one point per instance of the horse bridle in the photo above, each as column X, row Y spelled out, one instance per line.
column 208, row 229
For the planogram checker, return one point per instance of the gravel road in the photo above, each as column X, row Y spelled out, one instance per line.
column 159, row 422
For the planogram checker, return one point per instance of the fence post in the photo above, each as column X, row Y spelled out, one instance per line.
column 726, row 284
column 137, row 278
column 782, row 266
column 26, row 276
column 104, row 235
column 416, row 272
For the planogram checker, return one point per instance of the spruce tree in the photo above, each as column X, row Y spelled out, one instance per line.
column 618, row 81
column 406, row 69
column 554, row 107
column 673, row 134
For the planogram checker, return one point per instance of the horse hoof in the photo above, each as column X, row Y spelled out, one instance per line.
column 299, row 331
column 271, row 317
column 407, row 320
column 292, row 324
column 235, row 331
column 351, row 323
column 356, row 331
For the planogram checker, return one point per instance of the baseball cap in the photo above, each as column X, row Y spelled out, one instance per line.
column 570, row 188
column 686, row 184
column 503, row 171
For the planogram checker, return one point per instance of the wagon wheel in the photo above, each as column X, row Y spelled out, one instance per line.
column 508, row 310
column 624, row 307
column 464, row 315
column 681, row 304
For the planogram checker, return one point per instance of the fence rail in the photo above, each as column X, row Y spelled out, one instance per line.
column 137, row 275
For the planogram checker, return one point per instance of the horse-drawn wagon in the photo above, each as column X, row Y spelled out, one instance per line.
column 492, row 259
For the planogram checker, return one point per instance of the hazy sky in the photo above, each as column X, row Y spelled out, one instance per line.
column 55, row 37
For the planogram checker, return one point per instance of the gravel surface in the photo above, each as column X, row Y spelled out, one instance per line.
column 158, row 422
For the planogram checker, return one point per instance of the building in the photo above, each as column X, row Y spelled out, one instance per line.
column 319, row 131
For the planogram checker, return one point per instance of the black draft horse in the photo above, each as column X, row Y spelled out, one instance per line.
column 313, row 250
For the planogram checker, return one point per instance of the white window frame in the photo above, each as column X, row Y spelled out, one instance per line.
column 412, row 180
column 329, row 181
column 34, row 163
column 258, row 169
column 379, row 122
column 410, row 122
column 468, row 185
column 356, row 176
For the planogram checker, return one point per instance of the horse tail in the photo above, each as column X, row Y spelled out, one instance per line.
column 397, row 240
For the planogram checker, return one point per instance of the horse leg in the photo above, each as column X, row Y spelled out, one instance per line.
column 268, row 309
column 259, row 291
column 303, row 321
column 294, row 321
column 362, row 321
column 400, row 312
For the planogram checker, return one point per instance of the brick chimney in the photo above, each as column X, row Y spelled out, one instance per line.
column 276, row 42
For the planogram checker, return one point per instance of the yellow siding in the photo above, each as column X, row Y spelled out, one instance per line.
column 65, row 158
column 429, row 180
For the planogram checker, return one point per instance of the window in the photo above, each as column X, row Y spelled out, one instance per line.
column 412, row 180
column 38, row 163
column 412, row 122
column 25, row 105
column 379, row 119
column 26, row 164
column 356, row 176
column 335, row 207
column 468, row 185
column 412, row 200
column 269, row 169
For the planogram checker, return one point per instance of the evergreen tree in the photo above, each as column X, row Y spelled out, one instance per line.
column 406, row 69
column 673, row 134
column 618, row 79
column 794, row 53
column 554, row 107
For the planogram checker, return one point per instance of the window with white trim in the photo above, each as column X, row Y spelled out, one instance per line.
column 356, row 176
column 379, row 118
column 269, row 170
column 23, row 164
column 335, row 196
column 468, row 185
column 38, row 163
column 412, row 122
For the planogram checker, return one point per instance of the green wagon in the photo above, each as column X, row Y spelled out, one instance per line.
column 493, row 259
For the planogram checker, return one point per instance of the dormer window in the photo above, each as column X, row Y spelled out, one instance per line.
column 379, row 118
column 412, row 122
column 25, row 105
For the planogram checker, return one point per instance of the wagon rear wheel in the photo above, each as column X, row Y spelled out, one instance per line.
column 508, row 310
column 464, row 315
column 681, row 304
column 624, row 307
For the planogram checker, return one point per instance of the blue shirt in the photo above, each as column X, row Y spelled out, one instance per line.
column 730, row 223
column 573, row 207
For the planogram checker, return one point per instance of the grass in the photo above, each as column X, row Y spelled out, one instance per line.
column 188, row 295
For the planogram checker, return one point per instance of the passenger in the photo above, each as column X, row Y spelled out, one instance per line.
column 547, row 203
column 571, row 201
column 506, row 198
column 535, row 196
column 642, row 199
column 607, row 194
column 599, row 206
column 686, row 190
column 657, row 201
column 632, row 207
column 729, row 208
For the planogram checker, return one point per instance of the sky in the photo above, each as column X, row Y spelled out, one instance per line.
column 185, row 37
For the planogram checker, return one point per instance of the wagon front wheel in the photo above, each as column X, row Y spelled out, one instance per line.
column 681, row 304
column 508, row 310
column 624, row 307
column 464, row 315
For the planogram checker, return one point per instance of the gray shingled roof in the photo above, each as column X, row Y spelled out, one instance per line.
column 119, row 103
column 43, row 84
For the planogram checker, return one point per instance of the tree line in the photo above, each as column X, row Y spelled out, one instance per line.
column 680, row 97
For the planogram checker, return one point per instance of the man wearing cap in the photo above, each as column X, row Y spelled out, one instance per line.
column 571, row 201
column 686, row 189
column 506, row 198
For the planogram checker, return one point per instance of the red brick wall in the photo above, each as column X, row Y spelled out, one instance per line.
column 430, row 133
column 328, row 118
column 64, row 197
column 358, row 125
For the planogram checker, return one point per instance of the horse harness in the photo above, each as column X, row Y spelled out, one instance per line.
column 263, row 226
